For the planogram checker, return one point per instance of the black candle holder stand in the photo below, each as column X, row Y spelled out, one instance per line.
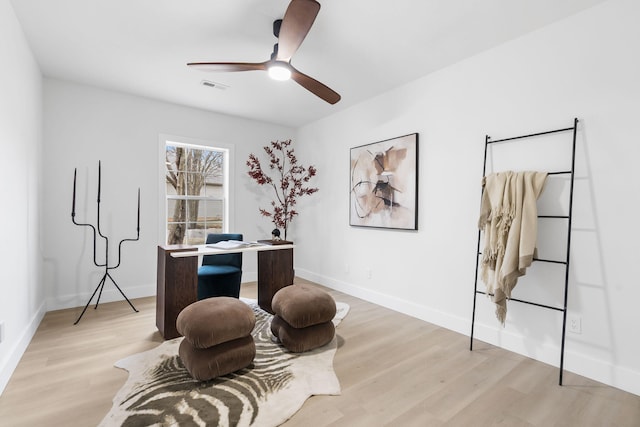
column 97, row 232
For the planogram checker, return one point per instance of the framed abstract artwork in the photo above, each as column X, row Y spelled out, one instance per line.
column 384, row 184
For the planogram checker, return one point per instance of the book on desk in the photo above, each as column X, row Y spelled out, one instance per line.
column 232, row 244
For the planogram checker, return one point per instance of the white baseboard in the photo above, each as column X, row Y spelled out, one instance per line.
column 9, row 363
column 109, row 294
column 581, row 364
column 410, row 308
column 249, row 276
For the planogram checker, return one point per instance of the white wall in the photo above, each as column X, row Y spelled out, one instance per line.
column 21, row 290
column 586, row 66
column 84, row 125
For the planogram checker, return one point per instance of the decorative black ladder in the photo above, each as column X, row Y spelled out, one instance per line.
column 562, row 309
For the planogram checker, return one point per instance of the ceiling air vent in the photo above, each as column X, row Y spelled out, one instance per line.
column 214, row 85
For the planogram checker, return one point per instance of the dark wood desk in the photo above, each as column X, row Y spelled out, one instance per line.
column 177, row 279
column 177, row 284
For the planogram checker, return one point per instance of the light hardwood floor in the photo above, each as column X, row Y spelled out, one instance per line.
column 394, row 371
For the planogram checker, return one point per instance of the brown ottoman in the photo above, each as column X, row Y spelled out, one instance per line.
column 303, row 315
column 217, row 337
column 206, row 363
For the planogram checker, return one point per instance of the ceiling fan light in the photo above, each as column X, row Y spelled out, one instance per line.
column 279, row 72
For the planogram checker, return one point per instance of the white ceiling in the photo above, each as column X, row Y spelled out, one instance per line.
column 359, row 48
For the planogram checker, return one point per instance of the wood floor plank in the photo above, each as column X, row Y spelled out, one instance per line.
column 394, row 370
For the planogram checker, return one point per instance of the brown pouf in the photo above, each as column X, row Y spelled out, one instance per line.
column 212, row 321
column 303, row 317
column 298, row 340
column 217, row 337
column 303, row 305
column 206, row 363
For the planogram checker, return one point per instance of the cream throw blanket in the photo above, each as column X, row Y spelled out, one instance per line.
column 509, row 219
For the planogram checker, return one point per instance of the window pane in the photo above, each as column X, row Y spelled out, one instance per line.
column 212, row 211
column 176, row 157
column 193, row 210
column 176, row 210
column 213, row 229
column 214, row 186
column 175, row 233
column 195, row 233
column 195, row 183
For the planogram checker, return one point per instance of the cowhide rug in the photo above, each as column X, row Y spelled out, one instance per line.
column 160, row 391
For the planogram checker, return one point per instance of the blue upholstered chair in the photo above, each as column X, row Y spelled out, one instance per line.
column 220, row 275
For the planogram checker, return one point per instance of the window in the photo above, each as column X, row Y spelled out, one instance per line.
column 196, row 194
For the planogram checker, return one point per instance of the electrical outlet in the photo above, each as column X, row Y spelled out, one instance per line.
column 1, row 331
column 368, row 273
column 574, row 323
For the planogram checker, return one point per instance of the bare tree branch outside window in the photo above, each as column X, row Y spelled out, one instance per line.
column 188, row 170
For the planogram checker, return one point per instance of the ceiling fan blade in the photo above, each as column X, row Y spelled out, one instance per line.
column 315, row 87
column 228, row 66
column 296, row 23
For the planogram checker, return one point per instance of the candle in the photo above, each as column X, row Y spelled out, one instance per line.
column 99, row 175
column 73, row 203
column 138, row 209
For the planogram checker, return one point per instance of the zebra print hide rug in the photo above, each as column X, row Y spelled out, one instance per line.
column 160, row 391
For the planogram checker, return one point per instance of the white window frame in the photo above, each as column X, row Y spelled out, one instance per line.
column 228, row 203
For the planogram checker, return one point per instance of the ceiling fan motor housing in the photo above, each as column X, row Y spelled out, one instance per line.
column 276, row 27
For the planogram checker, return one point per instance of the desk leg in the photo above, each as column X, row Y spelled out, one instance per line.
column 177, row 284
column 275, row 271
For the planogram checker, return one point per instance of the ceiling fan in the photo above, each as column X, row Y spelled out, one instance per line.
column 290, row 31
